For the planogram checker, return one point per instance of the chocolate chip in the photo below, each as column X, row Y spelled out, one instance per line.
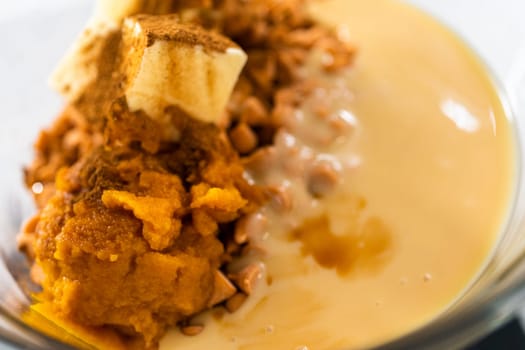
column 322, row 179
column 192, row 330
column 235, row 302
column 243, row 138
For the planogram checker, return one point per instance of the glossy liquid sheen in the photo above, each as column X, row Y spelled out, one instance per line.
column 426, row 179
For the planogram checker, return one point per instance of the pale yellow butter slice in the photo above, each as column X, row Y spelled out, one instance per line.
column 79, row 68
column 172, row 64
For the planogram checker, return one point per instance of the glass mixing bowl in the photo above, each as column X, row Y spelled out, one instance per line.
column 35, row 34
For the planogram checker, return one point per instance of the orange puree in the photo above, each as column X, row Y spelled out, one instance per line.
column 128, row 242
column 144, row 222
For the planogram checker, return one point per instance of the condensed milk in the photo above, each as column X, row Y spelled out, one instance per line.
column 424, row 160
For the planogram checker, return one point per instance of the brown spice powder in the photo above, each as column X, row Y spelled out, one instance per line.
column 169, row 28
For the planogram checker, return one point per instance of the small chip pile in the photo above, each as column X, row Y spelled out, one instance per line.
column 140, row 212
column 278, row 37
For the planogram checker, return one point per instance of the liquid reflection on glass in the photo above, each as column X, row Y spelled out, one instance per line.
column 460, row 116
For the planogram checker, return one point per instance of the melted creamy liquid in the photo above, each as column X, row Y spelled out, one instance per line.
column 426, row 170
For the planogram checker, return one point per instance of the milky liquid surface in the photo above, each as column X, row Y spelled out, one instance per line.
column 425, row 158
